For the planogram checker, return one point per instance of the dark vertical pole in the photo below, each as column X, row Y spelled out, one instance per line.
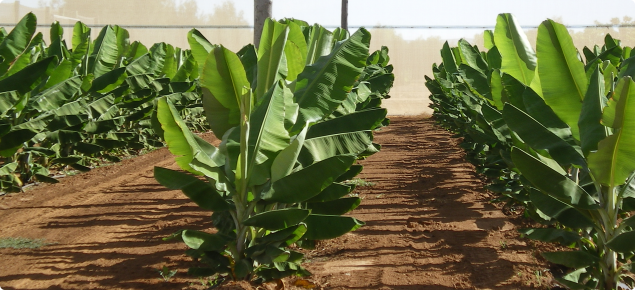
column 262, row 11
column 345, row 14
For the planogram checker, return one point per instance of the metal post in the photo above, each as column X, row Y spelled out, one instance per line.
column 345, row 14
column 262, row 11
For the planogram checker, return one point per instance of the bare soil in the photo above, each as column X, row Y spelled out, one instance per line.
column 429, row 225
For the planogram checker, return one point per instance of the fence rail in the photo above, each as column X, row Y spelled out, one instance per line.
column 327, row 26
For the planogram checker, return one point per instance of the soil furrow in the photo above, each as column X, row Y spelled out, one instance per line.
column 429, row 225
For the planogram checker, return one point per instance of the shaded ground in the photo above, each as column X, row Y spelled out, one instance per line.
column 428, row 226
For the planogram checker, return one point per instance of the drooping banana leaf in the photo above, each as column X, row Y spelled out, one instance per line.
column 318, row 91
column 551, row 181
column 57, row 95
column 26, row 79
column 308, row 182
column 322, row 227
column 323, row 147
column 184, row 145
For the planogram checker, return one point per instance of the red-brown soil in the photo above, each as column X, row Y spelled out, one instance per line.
column 429, row 225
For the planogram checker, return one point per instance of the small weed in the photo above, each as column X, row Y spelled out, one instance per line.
column 22, row 243
column 538, row 275
column 213, row 281
column 503, row 245
column 166, row 273
column 361, row 182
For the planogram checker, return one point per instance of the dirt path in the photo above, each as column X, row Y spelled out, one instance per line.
column 428, row 226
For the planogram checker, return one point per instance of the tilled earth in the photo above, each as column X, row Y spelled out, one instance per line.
column 429, row 225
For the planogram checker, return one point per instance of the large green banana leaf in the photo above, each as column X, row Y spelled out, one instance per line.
column 267, row 134
column 81, row 46
column 159, row 59
column 562, row 75
column 56, row 37
column 223, row 75
column 14, row 44
column 278, row 219
column 60, row 74
column 334, row 207
column 12, row 141
column 308, row 182
column 23, row 59
column 57, row 95
column 7, row 101
column 25, row 80
column 295, row 52
column 322, row 87
column 197, row 190
column 357, row 121
column 539, row 137
column 614, row 161
column 184, row 145
column 518, row 58
column 551, row 181
column 449, row 62
column 326, row 146
column 319, row 43
column 105, row 55
column 471, row 56
column 496, row 84
column 200, row 46
column 591, row 128
column 286, row 160
column 271, row 58
column 322, row 227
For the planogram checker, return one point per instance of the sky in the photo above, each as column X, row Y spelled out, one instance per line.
column 483, row 13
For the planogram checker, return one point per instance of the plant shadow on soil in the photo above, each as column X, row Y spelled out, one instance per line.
column 427, row 221
column 428, row 226
column 132, row 242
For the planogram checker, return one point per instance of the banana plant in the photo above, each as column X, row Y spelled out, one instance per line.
column 566, row 130
column 64, row 105
column 466, row 91
column 279, row 176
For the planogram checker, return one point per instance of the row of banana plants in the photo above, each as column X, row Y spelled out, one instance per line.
column 554, row 130
column 70, row 106
column 293, row 115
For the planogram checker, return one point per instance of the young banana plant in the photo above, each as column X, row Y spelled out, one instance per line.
column 279, row 175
